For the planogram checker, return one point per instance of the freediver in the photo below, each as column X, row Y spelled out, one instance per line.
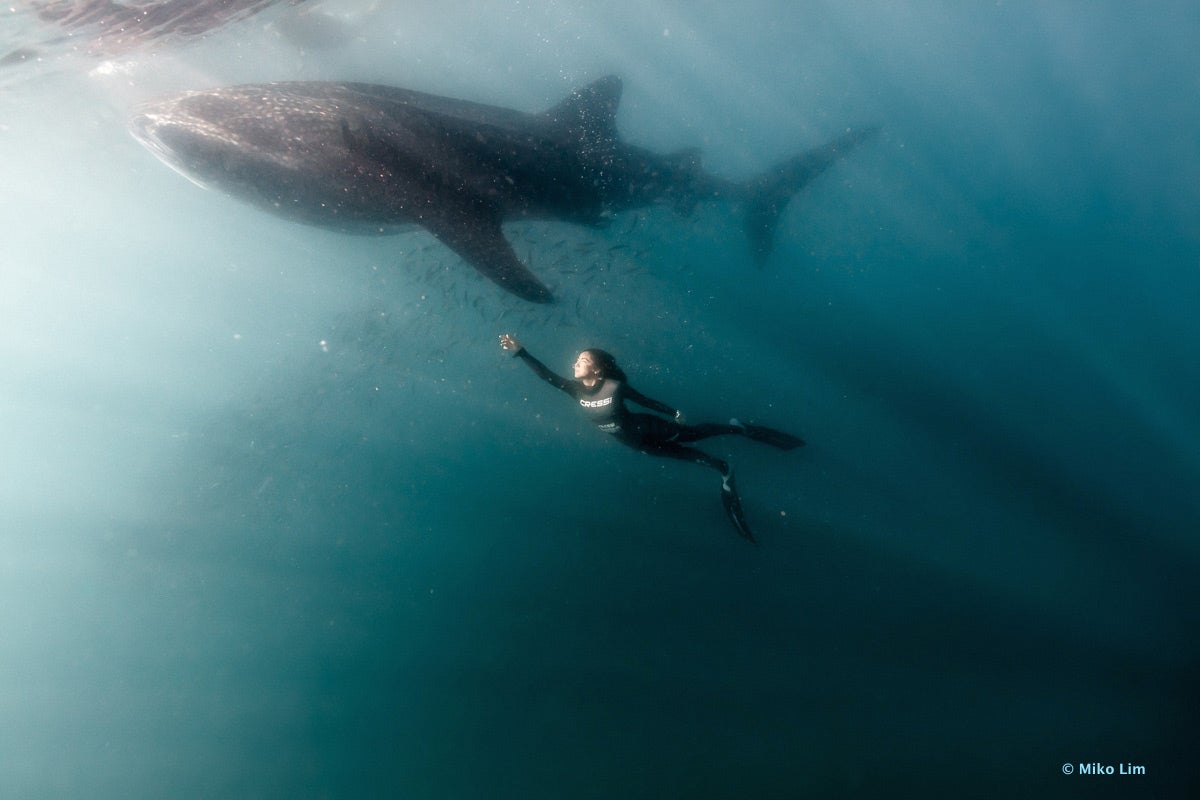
column 601, row 387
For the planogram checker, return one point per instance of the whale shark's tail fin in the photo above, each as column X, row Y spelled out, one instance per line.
column 768, row 194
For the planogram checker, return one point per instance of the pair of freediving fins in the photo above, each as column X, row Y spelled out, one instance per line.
column 729, row 496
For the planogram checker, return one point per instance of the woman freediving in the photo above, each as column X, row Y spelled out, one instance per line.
column 602, row 388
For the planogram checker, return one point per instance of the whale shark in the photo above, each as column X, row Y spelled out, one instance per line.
column 366, row 158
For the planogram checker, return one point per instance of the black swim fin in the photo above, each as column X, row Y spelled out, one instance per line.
column 761, row 433
column 733, row 507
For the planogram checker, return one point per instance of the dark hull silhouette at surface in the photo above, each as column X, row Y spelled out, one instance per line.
column 103, row 28
column 363, row 158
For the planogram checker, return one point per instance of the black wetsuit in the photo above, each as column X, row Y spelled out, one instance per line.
column 604, row 404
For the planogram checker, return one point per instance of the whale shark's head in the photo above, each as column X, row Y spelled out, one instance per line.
column 247, row 141
column 186, row 135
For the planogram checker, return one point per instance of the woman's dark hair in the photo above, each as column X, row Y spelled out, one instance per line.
column 606, row 365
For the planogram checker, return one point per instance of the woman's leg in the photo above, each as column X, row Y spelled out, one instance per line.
column 660, row 438
column 758, row 433
column 671, row 449
column 694, row 433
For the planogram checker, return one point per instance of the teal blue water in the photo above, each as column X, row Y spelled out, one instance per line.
column 279, row 519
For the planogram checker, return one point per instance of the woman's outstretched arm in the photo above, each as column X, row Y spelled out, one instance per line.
column 509, row 343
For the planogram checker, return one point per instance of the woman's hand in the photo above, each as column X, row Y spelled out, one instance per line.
column 509, row 343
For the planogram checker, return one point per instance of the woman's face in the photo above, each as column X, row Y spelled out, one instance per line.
column 585, row 367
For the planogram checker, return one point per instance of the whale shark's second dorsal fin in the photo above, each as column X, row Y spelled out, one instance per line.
column 590, row 112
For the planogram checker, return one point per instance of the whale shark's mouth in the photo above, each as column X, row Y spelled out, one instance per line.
column 148, row 127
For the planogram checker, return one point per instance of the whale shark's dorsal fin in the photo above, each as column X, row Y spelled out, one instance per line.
column 590, row 112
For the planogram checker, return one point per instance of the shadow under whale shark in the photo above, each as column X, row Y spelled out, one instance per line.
column 364, row 158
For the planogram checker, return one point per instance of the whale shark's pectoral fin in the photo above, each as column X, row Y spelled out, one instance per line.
column 468, row 226
column 474, row 233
